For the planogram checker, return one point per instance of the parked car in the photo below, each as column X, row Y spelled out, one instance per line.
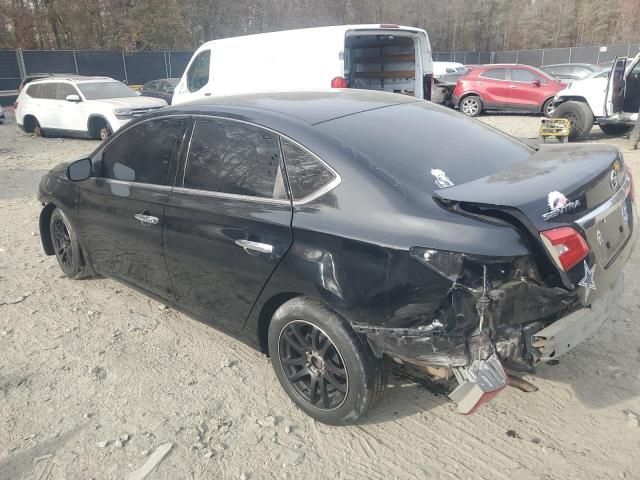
column 93, row 107
column 506, row 87
column 160, row 89
column 443, row 87
column 384, row 236
column 442, row 68
column 384, row 57
column 610, row 98
column 571, row 71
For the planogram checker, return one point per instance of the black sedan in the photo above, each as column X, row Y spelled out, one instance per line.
column 336, row 230
column 162, row 88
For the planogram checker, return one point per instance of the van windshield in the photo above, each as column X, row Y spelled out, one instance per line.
column 105, row 90
column 425, row 147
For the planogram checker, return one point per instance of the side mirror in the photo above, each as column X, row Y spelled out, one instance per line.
column 73, row 98
column 79, row 170
column 536, row 83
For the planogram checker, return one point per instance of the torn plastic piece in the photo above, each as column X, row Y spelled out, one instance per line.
column 482, row 380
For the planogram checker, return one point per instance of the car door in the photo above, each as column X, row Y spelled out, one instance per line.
column 121, row 208
column 196, row 81
column 228, row 224
column 614, row 98
column 73, row 116
column 494, row 87
column 525, row 89
column 48, row 114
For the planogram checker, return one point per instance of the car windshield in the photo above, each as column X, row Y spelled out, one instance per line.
column 423, row 147
column 104, row 90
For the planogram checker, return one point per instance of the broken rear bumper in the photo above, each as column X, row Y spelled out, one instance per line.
column 563, row 335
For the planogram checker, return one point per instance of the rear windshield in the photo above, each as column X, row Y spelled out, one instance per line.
column 104, row 90
column 426, row 147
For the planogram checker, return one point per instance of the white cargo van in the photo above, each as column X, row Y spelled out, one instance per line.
column 385, row 57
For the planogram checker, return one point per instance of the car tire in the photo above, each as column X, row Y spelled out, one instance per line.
column 548, row 107
column 322, row 364
column 66, row 247
column 37, row 130
column 579, row 115
column 471, row 106
column 613, row 129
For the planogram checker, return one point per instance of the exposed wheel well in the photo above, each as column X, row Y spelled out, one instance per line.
column 545, row 101
column 95, row 124
column 266, row 314
column 45, row 232
column 29, row 122
column 470, row 94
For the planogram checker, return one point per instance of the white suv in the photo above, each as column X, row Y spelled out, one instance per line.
column 611, row 98
column 93, row 107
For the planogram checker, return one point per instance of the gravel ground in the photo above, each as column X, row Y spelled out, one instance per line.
column 95, row 377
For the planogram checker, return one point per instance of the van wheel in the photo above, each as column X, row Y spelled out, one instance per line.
column 613, row 129
column 471, row 106
column 579, row 115
column 322, row 364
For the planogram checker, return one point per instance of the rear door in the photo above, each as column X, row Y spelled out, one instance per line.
column 49, row 114
column 228, row 223
column 493, row 86
column 122, row 208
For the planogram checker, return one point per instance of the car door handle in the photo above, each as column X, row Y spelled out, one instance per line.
column 146, row 219
column 255, row 246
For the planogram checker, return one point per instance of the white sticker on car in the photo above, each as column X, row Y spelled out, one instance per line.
column 441, row 178
column 588, row 281
column 559, row 204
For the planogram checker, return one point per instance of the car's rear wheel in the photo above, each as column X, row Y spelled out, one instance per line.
column 548, row 108
column 322, row 364
column 37, row 129
column 613, row 129
column 579, row 115
column 66, row 246
column 471, row 106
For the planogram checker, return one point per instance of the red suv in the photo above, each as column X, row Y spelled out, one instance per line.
column 506, row 87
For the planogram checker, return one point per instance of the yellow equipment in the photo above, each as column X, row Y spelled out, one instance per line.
column 555, row 128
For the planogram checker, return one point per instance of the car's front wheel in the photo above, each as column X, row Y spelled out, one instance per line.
column 322, row 364
column 548, row 108
column 613, row 129
column 471, row 106
column 579, row 115
column 66, row 246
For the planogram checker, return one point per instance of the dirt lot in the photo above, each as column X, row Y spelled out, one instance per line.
column 94, row 377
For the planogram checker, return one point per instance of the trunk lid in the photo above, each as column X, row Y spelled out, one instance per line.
column 581, row 186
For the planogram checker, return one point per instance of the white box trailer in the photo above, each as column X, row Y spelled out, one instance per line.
column 385, row 57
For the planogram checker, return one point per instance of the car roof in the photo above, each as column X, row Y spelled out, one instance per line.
column 312, row 107
column 74, row 79
column 587, row 65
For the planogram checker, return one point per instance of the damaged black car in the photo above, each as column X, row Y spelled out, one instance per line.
column 337, row 230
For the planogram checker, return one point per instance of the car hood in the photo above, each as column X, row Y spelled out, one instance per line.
column 133, row 102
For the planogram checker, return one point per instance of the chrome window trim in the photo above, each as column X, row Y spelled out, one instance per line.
column 318, row 193
column 150, row 186
column 234, row 196
column 604, row 210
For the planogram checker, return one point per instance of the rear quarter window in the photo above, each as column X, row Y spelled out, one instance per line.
column 411, row 144
column 307, row 174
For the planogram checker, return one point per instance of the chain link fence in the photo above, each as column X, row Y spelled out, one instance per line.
column 545, row 56
column 133, row 68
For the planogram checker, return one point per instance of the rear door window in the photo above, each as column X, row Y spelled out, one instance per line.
column 48, row 91
column 198, row 74
column 495, row 73
column 235, row 158
column 307, row 174
column 34, row 91
column 143, row 153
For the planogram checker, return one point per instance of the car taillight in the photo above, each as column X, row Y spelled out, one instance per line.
column 339, row 82
column 566, row 246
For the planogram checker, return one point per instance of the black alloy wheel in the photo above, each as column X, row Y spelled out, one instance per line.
column 313, row 365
